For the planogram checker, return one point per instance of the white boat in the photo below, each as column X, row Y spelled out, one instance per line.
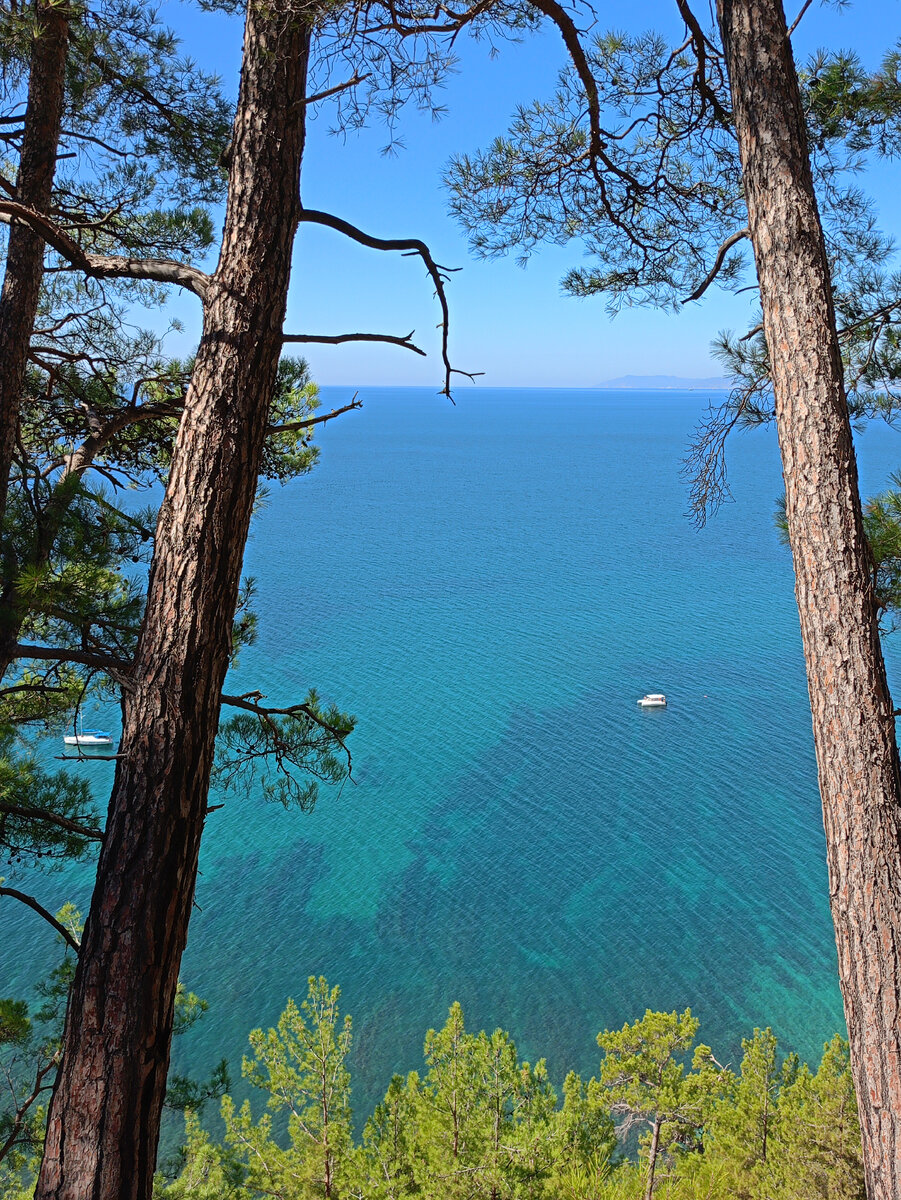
column 653, row 700
column 89, row 737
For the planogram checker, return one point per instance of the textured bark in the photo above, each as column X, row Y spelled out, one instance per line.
column 853, row 725
column 652, row 1159
column 105, row 1111
column 25, row 255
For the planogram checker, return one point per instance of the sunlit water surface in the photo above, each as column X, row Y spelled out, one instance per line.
column 490, row 588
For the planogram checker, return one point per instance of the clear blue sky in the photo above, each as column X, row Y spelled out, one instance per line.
column 512, row 323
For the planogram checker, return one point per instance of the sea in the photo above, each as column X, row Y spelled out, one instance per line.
column 490, row 586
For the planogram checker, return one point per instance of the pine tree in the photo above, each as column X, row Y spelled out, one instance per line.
column 300, row 1064
column 643, row 1072
column 817, row 1134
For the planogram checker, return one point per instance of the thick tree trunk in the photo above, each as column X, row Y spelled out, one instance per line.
column 853, row 725
column 105, row 1111
column 25, row 256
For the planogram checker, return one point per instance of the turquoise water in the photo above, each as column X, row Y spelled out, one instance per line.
column 490, row 588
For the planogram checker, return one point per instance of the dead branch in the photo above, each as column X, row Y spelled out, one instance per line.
column 293, row 426
column 405, row 246
column 333, row 91
column 337, row 338
column 797, row 21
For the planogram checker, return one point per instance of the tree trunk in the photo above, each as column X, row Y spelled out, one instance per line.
column 105, row 1112
column 25, row 253
column 652, row 1159
column 853, row 724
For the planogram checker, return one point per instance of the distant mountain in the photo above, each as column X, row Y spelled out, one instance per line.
column 718, row 383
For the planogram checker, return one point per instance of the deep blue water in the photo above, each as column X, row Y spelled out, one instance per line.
column 490, row 588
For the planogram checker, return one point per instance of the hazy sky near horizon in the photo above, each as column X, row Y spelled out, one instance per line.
column 512, row 323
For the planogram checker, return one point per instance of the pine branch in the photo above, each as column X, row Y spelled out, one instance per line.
column 724, row 249
column 43, row 814
column 117, row 668
column 105, row 266
column 250, row 702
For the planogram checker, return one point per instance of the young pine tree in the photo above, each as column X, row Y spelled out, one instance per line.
column 301, row 1065
column 383, row 1165
column 816, row 1147
column 583, row 1139
column 643, row 1070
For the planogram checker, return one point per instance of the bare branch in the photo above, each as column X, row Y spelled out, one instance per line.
column 105, row 266
column 337, row 338
column 717, row 264
column 407, row 246
column 42, row 912
column 333, row 91
column 797, row 21
column 292, row 426
column 83, row 758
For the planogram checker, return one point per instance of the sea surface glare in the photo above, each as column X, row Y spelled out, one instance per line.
column 490, row 588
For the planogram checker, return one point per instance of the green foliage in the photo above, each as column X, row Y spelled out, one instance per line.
column 207, row 1171
column 882, row 524
column 479, row 1124
column 583, row 1139
column 15, row 1026
column 188, row 1095
column 818, row 1133
column 46, row 817
column 301, row 1066
column 288, row 452
column 383, row 1166
column 29, row 1055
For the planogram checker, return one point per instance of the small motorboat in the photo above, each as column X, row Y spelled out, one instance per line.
column 89, row 737
column 653, row 700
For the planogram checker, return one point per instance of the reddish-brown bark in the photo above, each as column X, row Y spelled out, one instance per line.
column 105, row 1113
column 853, row 724
column 25, row 254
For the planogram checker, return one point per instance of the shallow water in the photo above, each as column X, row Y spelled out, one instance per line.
column 490, row 588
